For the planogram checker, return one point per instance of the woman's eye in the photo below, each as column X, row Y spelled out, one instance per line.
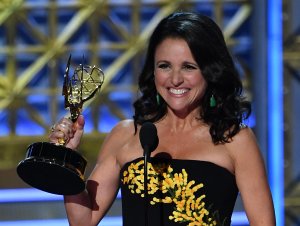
column 189, row 67
column 163, row 66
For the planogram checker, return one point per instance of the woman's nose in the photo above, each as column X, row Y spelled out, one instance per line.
column 177, row 78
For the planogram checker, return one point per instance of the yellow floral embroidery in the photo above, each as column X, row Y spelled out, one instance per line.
column 177, row 190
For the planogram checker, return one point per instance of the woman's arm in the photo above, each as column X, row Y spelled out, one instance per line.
column 90, row 206
column 251, row 179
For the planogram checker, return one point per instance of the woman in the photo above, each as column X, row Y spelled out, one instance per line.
column 191, row 91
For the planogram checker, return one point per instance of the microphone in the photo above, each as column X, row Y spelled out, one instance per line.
column 148, row 138
column 149, row 142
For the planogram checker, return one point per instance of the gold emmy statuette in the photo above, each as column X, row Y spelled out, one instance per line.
column 55, row 168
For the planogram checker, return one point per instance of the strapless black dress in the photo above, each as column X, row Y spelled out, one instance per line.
column 180, row 192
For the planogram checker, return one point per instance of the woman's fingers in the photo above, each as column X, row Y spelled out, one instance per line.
column 65, row 132
column 62, row 131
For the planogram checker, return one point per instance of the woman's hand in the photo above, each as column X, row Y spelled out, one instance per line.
column 68, row 133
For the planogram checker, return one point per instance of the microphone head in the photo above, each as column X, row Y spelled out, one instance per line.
column 148, row 137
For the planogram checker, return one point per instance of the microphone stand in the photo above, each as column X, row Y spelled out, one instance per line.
column 149, row 142
column 146, row 155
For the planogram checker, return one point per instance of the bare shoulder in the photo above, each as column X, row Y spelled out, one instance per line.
column 244, row 139
column 244, row 148
column 123, row 125
column 243, row 145
column 121, row 144
column 121, row 131
column 114, row 143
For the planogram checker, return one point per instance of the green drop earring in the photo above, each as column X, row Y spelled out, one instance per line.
column 157, row 99
column 212, row 101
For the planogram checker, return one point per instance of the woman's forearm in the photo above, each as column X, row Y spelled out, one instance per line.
column 79, row 209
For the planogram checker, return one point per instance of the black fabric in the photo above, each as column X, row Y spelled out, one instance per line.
column 170, row 182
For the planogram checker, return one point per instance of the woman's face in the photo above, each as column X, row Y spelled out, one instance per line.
column 178, row 78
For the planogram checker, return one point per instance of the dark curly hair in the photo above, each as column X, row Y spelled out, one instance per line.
column 208, row 47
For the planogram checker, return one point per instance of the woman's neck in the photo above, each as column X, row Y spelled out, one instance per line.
column 182, row 121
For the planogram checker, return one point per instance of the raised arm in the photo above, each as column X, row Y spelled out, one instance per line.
column 251, row 179
column 90, row 206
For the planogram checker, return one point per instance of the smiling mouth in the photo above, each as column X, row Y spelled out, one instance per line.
column 177, row 91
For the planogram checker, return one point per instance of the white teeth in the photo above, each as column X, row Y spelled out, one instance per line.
column 178, row 91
